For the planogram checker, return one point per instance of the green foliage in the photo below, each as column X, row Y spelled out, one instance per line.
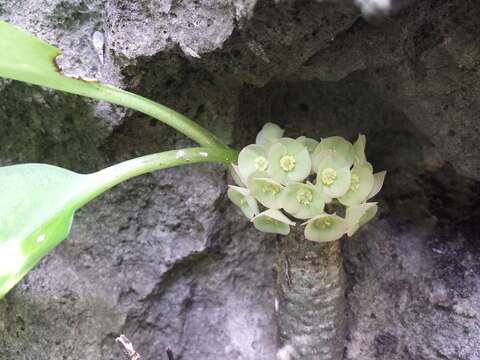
column 39, row 201
column 26, row 58
column 278, row 172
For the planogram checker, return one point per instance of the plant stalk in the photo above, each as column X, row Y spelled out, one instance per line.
column 311, row 298
column 109, row 177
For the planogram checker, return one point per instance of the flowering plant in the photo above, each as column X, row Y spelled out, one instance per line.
column 327, row 184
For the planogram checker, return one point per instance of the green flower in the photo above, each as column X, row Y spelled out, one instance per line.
column 326, row 227
column 235, row 173
column 337, row 145
column 269, row 134
column 303, row 200
column 333, row 175
column 252, row 158
column 378, row 180
column 309, row 143
column 359, row 215
column 244, row 200
column 267, row 191
column 273, row 221
column 361, row 184
column 359, row 150
column 289, row 161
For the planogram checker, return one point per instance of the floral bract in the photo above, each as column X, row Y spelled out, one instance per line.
column 289, row 161
column 244, row 200
column 252, row 158
column 303, row 201
column 324, row 228
column 359, row 215
column 276, row 172
column 338, row 145
column 359, row 150
column 267, row 191
column 269, row 133
column 273, row 221
column 361, row 184
column 333, row 175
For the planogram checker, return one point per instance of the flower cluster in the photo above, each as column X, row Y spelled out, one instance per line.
column 326, row 184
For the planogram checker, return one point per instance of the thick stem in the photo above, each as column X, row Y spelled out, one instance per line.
column 311, row 298
column 107, row 178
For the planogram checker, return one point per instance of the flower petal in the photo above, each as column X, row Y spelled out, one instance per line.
column 242, row 198
column 359, row 150
column 325, row 227
column 378, row 180
column 273, row 221
column 252, row 158
column 359, row 215
column 303, row 200
column 309, row 143
column 267, row 191
column 361, row 185
column 289, row 161
column 334, row 178
column 338, row 145
column 269, row 133
column 235, row 173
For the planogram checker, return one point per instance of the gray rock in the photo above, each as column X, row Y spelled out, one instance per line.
column 166, row 259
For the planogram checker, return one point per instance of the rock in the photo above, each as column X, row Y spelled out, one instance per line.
column 166, row 259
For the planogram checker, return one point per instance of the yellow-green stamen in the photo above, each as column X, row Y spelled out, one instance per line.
column 261, row 163
column 328, row 176
column 304, row 196
column 355, row 183
column 323, row 223
column 270, row 189
column 287, row 163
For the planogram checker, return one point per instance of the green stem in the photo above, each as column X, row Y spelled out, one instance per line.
column 24, row 57
column 160, row 112
column 116, row 174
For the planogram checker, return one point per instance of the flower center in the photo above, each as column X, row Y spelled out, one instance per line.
column 287, row 163
column 304, row 196
column 261, row 164
column 328, row 176
column 323, row 223
column 270, row 189
column 355, row 183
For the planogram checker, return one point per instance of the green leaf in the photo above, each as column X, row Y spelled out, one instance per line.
column 38, row 203
column 36, row 211
column 25, row 58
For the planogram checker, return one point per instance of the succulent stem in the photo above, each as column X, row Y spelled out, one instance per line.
column 311, row 298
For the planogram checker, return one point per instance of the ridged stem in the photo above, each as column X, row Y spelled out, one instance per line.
column 310, row 298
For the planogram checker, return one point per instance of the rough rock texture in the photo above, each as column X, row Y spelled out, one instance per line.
column 166, row 259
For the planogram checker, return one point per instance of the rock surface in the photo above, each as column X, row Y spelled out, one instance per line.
column 166, row 259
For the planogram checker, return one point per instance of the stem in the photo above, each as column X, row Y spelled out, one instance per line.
column 160, row 112
column 116, row 174
column 311, row 298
